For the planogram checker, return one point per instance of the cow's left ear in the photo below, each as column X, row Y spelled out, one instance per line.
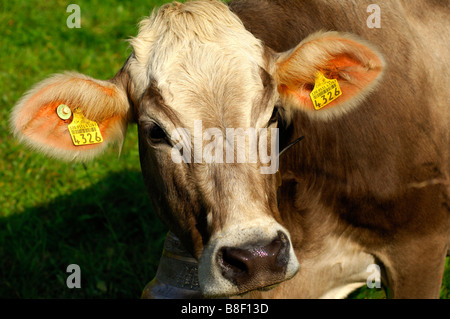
column 355, row 64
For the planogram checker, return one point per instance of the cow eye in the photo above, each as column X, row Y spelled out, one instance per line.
column 274, row 116
column 156, row 133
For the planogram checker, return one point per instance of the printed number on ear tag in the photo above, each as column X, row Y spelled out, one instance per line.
column 325, row 91
column 84, row 131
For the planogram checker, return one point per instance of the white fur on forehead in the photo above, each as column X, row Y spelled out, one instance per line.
column 175, row 22
column 177, row 28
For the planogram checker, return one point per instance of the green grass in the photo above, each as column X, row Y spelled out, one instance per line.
column 52, row 213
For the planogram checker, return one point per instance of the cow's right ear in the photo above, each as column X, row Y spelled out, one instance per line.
column 37, row 121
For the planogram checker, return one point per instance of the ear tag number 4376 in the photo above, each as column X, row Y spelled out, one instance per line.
column 84, row 131
column 325, row 91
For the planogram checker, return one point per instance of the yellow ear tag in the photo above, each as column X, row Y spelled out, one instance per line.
column 84, row 131
column 325, row 91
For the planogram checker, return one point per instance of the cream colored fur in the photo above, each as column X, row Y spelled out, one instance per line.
column 205, row 62
column 207, row 67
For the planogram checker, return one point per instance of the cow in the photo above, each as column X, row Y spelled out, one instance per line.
column 368, row 184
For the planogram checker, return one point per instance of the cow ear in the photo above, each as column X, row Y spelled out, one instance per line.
column 42, row 116
column 355, row 64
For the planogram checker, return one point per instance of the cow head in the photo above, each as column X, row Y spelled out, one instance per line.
column 196, row 73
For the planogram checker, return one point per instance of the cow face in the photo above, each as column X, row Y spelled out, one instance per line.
column 196, row 76
column 201, row 82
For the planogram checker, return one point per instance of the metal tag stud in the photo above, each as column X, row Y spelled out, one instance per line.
column 64, row 112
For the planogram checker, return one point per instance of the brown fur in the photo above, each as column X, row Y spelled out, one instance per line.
column 361, row 167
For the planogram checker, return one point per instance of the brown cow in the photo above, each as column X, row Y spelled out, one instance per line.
column 368, row 185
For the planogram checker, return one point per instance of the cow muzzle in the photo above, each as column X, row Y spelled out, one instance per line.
column 240, row 260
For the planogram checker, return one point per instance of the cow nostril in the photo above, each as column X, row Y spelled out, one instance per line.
column 255, row 265
column 233, row 262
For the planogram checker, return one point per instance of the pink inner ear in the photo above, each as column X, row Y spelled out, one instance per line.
column 48, row 128
column 352, row 75
column 45, row 122
column 359, row 74
column 301, row 93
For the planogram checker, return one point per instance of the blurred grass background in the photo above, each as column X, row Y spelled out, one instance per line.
column 53, row 214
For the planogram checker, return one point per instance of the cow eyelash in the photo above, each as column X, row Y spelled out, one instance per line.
column 274, row 116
